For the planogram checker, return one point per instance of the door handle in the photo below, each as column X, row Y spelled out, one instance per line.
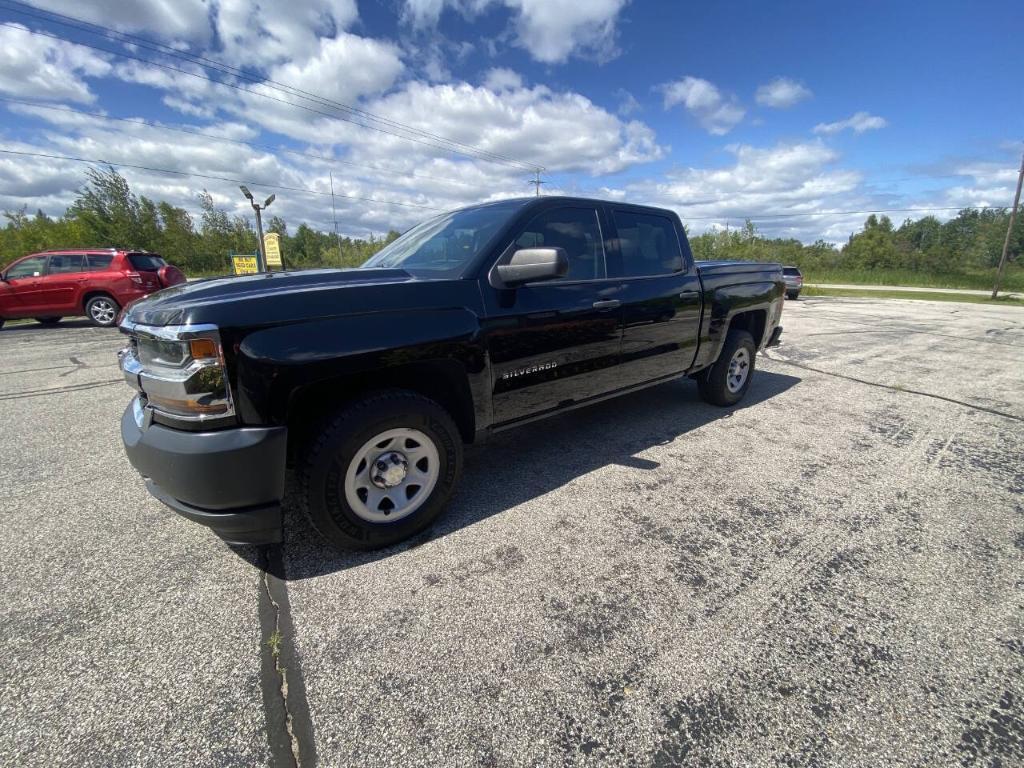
column 689, row 294
column 607, row 304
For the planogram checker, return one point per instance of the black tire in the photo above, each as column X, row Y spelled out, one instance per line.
column 713, row 382
column 794, row 295
column 323, row 469
column 1, row 322
column 48, row 320
column 97, row 309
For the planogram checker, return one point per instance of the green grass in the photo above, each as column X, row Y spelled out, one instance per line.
column 1013, row 279
column 922, row 296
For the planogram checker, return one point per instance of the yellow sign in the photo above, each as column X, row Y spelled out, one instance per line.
column 245, row 265
column 272, row 249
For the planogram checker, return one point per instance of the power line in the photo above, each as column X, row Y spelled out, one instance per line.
column 269, row 185
column 214, row 137
column 452, row 145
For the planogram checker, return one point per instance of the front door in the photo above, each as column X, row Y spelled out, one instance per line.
column 556, row 342
column 22, row 287
column 661, row 298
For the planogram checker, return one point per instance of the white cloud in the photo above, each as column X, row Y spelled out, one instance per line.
column 798, row 179
column 716, row 113
column 502, row 78
column 627, row 102
column 551, row 30
column 858, row 123
column 278, row 32
column 178, row 20
column 44, row 68
column 781, row 93
column 343, row 68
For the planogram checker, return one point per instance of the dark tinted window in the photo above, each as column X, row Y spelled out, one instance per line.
column 97, row 261
column 574, row 229
column 790, row 271
column 648, row 243
column 146, row 262
column 27, row 268
column 61, row 263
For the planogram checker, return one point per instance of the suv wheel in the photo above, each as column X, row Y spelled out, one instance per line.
column 727, row 381
column 102, row 310
column 381, row 470
column 48, row 320
column 792, row 294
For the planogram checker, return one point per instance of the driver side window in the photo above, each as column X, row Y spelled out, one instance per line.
column 578, row 231
column 27, row 268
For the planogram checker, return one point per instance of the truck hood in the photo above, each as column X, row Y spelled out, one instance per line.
column 275, row 297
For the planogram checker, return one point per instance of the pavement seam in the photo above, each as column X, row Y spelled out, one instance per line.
column 289, row 727
column 893, row 388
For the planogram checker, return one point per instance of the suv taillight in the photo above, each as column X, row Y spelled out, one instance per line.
column 135, row 277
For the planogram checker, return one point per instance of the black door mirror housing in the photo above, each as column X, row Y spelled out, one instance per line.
column 529, row 265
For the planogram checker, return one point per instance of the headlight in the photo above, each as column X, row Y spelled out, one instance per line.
column 179, row 370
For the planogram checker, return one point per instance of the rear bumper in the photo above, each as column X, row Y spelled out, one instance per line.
column 230, row 480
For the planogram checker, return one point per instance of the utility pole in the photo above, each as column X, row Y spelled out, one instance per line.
column 261, row 254
column 334, row 210
column 536, row 180
column 1009, row 230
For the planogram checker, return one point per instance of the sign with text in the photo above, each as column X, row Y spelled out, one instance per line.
column 272, row 249
column 245, row 265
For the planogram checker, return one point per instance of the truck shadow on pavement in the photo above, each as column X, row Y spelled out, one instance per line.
column 516, row 466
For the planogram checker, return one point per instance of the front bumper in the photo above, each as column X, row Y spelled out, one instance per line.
column 230, row 480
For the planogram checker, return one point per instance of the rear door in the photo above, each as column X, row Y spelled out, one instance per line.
column 555, row 342
column 60, row 285
column 661, row 293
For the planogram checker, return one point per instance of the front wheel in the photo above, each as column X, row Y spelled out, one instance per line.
column 381, row 470
column 102, row 310
column 727, row 381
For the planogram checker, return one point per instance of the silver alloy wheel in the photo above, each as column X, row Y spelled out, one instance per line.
column 739, row 369
column 392, row 475
column 102, row 311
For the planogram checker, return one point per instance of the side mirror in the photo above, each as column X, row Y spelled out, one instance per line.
column 528, row 265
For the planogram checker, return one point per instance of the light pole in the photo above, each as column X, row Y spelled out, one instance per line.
column 261, row 255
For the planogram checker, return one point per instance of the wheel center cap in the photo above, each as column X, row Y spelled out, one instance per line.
column 389, row 469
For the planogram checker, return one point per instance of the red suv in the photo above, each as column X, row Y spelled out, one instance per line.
column 95, row 283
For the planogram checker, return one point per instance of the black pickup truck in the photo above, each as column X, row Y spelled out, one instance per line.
column 370, row 380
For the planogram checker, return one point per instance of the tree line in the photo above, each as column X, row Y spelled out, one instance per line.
column 106, row 213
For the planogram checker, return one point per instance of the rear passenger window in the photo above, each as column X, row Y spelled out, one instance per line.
column 62, row 263
column 98, row 261
column 648, row 244
column 577, row 231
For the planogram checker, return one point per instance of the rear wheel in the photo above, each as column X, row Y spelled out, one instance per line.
column 102, row 310
column 792, row 294
column 48, row 320
column 727, row 381
column 381, row 470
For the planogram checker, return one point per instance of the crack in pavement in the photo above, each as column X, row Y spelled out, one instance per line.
column 289, row 727
column 894, row 388
column 59, row 390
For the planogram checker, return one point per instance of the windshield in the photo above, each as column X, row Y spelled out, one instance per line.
column 445, row 245
column 790, row 271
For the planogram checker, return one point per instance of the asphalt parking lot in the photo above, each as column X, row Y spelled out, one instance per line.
column 831, row 574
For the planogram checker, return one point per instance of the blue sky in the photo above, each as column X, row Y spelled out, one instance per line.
column 790, row 113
